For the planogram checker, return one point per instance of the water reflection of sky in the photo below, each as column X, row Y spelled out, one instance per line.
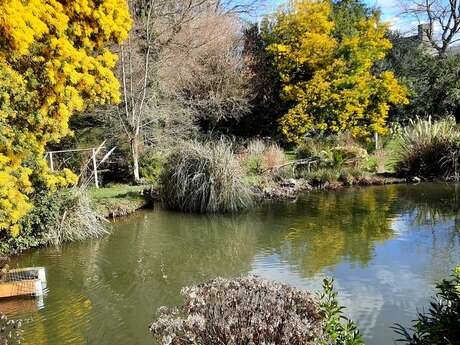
column 397, row 281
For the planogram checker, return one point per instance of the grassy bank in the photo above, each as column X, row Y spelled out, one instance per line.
column 120, row 200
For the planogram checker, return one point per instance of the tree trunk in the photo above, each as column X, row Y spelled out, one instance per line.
column 135, row 154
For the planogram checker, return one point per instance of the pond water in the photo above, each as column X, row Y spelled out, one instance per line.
column 385, row 246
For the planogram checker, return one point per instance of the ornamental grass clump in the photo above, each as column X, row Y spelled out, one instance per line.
column 429, row 149
column 204, row 178
column 72, row 218
column 241, row 311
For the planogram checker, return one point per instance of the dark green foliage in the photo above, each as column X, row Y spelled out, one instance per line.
column 150, row 164
column 433, row 81
column 440, row 324
column 347, row 14
column 340, row 329
column 266, row 104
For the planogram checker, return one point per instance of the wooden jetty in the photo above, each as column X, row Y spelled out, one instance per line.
column 29, row 281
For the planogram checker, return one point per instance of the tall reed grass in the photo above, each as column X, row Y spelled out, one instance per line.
column 204, row 178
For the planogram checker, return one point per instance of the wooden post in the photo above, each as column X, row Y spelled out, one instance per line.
column 95, row 168
column 376, row 138
column 51, row 161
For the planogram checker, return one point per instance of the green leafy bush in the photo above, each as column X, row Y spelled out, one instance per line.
column 440, row 325
column 340, row 329
column 150, row 165
column 204, row 178
column 348, row 155
column 253, row 164
column 425, row 148
column 312, row 148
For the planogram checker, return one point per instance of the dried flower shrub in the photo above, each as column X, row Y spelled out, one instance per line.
column 241, row 311
column 10, row 331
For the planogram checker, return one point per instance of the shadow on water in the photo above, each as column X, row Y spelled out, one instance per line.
column 385, row 246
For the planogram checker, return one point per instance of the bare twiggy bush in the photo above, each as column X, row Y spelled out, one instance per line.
column 182, row 64
column 241, row 311
column 273, row 156
column 260, row 156
column 204, row 178
column 204, row 69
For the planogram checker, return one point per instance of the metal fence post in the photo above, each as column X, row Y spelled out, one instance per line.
column 95, row 169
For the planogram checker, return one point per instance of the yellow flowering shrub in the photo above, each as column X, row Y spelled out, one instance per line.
column 330, row 82
column 54, row 61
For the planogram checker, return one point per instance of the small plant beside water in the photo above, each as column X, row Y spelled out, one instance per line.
column 75, row 218
column 205, row 178
column 340, row 329
column 440, row 324
column 333, row 158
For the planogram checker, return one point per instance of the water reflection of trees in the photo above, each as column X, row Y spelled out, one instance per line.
column 325, row 229
column 431, row 203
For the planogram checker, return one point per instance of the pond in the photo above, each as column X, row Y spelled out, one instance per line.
column 385, row 246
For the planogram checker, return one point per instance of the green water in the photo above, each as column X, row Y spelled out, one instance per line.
column 385, row 247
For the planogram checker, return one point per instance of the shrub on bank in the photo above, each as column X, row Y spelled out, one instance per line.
column 429, row 149
column 62, row 216
column 150, row 164
column 254, row 311
column 260, row 156
column 204, row 178
column 440, row 324
column 331, row 152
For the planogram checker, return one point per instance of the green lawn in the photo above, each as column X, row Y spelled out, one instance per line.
column 119, row 199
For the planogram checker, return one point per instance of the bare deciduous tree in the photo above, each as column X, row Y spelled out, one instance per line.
column 442, row 18
column 182, row 61
column 205, row 70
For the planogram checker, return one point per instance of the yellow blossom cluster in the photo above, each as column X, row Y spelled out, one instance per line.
column 54, row 61
column 331, row 82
